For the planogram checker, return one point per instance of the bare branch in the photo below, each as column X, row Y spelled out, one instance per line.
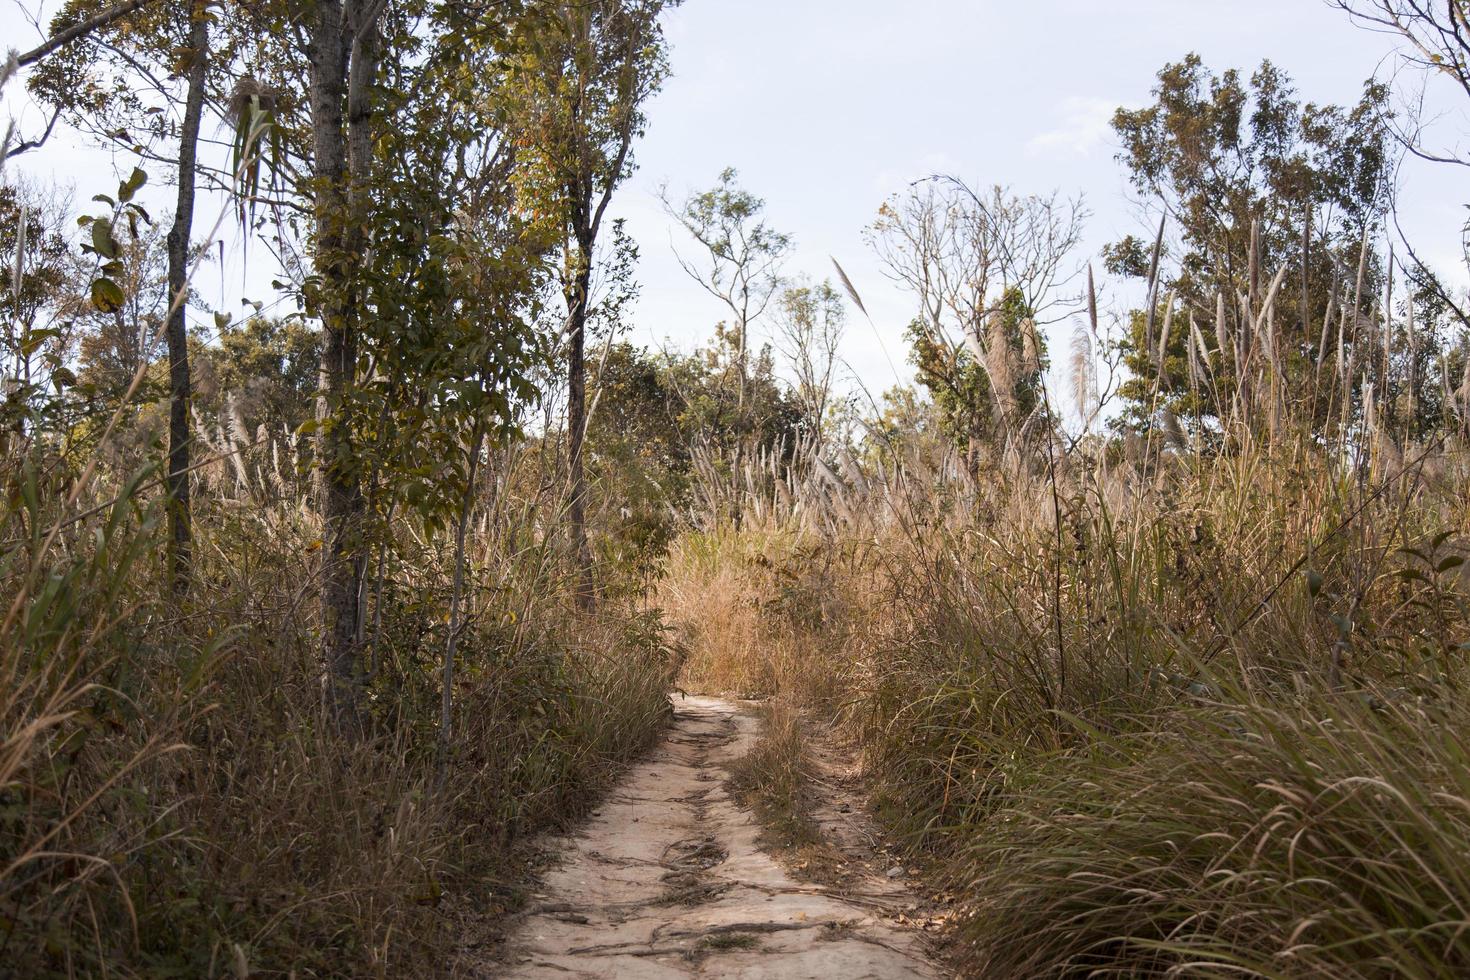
column 80, row 29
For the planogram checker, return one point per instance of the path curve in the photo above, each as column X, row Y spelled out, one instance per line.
column 666, row 880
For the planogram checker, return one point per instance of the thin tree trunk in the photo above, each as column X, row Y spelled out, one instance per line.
column 576, row 428
column 179, row 522
column 1306, row 276
column 374, row 646
column 360, row 77
column 740, row 379
column 332, row 45
column 446, row 710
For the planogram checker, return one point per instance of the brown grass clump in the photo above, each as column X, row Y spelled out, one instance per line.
column 774, row 777
column 753, row 622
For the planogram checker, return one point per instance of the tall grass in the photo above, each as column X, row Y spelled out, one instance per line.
column 774, row 777
column 173, row 800
column 1179, row 705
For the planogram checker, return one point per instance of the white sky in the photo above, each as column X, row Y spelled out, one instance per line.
column 826, row 107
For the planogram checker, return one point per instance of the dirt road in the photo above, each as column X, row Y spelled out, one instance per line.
column 667, row 880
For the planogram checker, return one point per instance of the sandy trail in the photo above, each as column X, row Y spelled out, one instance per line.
column 667, row 880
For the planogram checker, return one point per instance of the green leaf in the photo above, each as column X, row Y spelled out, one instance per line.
column 1314, row 582
column 1414, row 575
column 107, row 295
column 129, row 187
column 32, row 340
column 102, row 239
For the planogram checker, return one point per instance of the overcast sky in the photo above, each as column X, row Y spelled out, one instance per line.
column 827, row 106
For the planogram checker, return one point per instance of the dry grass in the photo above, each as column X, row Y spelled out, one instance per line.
column 172, row 801
column 1236, row 751
column 753, row 611
column 774, row 777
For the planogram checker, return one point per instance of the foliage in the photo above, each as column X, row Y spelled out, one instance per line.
column 167, row 787
column 660, row 416
column 1148, row 706
column 40, row 285
column 1192, row 778
column 1251, row 181
column 969, row 408
column 985, row 268
column 268, row 366
column 741, row 266
column 811, row 320
column 173, row 798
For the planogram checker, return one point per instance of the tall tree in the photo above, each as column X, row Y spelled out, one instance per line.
column 810, row 320
column 1251, row 181
column 581, row 74
column 456, row 282
column 985, row 268
column 196, row 59
column 742, row 264
column 1437, row 37
column 341, row 42
column 128, row 36
column 1437, row 47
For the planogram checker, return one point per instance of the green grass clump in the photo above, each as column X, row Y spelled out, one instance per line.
column 1324, row 839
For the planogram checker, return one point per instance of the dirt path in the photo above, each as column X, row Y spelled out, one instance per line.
column 667, row 880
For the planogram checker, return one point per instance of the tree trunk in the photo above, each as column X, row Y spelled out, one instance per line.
column 179, row 522
column 740, row 379
column 361, row 74
column 576, row 296
column 446, row 716
column 331, row 47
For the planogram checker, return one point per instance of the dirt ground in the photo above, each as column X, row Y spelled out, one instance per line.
column 669, row 879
